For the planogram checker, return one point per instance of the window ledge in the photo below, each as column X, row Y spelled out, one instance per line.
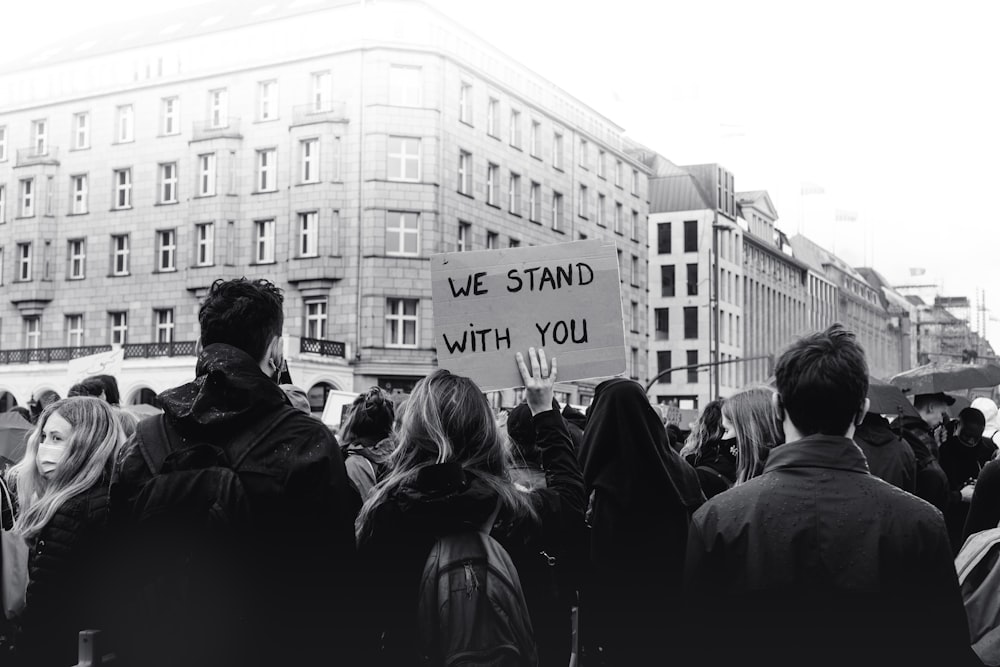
column 72, row 215
column 122, row 208
column 166, row 203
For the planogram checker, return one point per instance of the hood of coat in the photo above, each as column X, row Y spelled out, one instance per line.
column 990, row 411
column 875, row 431
column 229, row 391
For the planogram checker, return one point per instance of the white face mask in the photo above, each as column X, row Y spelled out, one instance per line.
column 49, row 457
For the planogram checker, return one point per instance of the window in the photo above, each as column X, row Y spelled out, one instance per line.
column 661, row 323
column 602, row 210
column 263, row 241
column 206, row 175
column 690, row 322
column 81, row 130
column 204, row 235
column 405, row 86
column 535, row 202
column 515, row 128
column 3, row 203
column 309, row 150
column 557, row 211
column 557, row 150
column 166, row 250
column 316, row 319
column 492, row 174
column 308, row 234
column 1, row 266
column 402, row 234
column 74, row 330
column 618, row 173
column 266, row 180
column 465, row 103
column 39, row 137
column 170, row 115
column 27, row 197
column 634, row 272
column 514, row 194
column 634, row 364
column 663, row 363
column 581, row 203
column 635, row 182
column 584, row 145
column 77, row 258
column 492, row 109
column 621, row 270
column 3, row 143
column 218, row 108
column 663, row 238
column 618, row 218
column 50, row 189
column 635, row 225
column 119, row 327
column 320, row 93
column 634, row 317
column 232, row 173
column 267, row 100
column 123, row 188
column 401, row 323
column 692, row 360
column 691, row 236
column 534, row 144
column 667, row 285
column 492, row 240
column 465, row 173
column 78, row 188
column 513, row 243
column 163, row 321
column 168, row 183
column 32, row 332
column 464, row 236
column 120, row 254
column 124, row 124
column 601, row 160
column 692, row 279
column 23, row 262
column 403, row 159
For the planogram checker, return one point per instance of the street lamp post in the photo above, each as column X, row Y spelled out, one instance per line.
column 716, row 316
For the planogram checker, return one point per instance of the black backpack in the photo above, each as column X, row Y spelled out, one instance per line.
column 191, row 529
column 471, row 608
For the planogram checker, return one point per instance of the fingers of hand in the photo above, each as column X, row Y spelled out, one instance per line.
column 525, row 375
column 552, row 373
column 535, row 369
column 543, row 363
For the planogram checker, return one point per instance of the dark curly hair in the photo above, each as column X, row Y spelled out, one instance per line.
column 243, row 313
column 370, row 418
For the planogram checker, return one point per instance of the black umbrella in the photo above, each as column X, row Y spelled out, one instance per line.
column 935, row 378
column 887, row 399
column 13, row 435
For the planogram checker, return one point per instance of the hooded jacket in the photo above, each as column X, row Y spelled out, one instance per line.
column 992, row 415
column 930, row 483
column 888, row 457
column 445, row 498
column 303, row 505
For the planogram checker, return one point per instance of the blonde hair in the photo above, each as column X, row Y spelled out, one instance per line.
column 447, row 419
column 755, row 421
column 95, row 442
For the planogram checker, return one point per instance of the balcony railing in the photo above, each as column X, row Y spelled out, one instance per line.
column 149, row 350
column 48, row 355
column 327, row 348
column 35, row 155
column 206, row 129
column 303, row 114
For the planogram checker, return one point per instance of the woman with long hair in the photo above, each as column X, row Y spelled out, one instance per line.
column 450, row 474
column 60, row 488
column 713, row 457
column 750, row 417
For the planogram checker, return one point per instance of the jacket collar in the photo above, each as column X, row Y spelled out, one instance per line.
column 818, row 451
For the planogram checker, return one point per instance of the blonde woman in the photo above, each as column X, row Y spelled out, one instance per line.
column 750, row 417
column 61, row 492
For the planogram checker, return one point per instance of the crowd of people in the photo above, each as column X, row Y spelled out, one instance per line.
column 791, row 527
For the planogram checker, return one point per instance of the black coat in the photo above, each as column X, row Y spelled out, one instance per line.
column 302, row 502
column 931, row 483
column 888, row 457
column 69, row 572
column 816, row 562
column 444, row 499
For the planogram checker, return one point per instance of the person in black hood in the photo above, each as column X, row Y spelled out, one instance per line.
column 889, row 458
column 931, row 482
column 643, row 497
column 451, row 474
column 302, row 505
column 963, row 457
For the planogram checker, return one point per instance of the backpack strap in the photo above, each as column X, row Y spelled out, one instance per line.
column 154, row 441
column 256, row 437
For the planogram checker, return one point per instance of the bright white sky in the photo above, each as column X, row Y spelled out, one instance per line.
column 892, row 107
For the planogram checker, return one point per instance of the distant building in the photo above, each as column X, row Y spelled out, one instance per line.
column 331, row 147
column 902, row 316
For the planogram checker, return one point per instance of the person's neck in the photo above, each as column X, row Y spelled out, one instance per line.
column 793, row 434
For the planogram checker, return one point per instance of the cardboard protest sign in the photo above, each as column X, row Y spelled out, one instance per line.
column 565, row 298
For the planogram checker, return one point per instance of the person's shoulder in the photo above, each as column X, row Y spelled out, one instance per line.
column 732, row 504
column 902, row 505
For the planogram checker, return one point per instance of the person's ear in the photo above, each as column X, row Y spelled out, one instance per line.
column 779, row 407
column 860, row 417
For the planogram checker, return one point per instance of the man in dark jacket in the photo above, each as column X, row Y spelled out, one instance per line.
column 918, row 432
column 888, row 457
column 302, row 506
column 963, row 456
column 815, row 561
